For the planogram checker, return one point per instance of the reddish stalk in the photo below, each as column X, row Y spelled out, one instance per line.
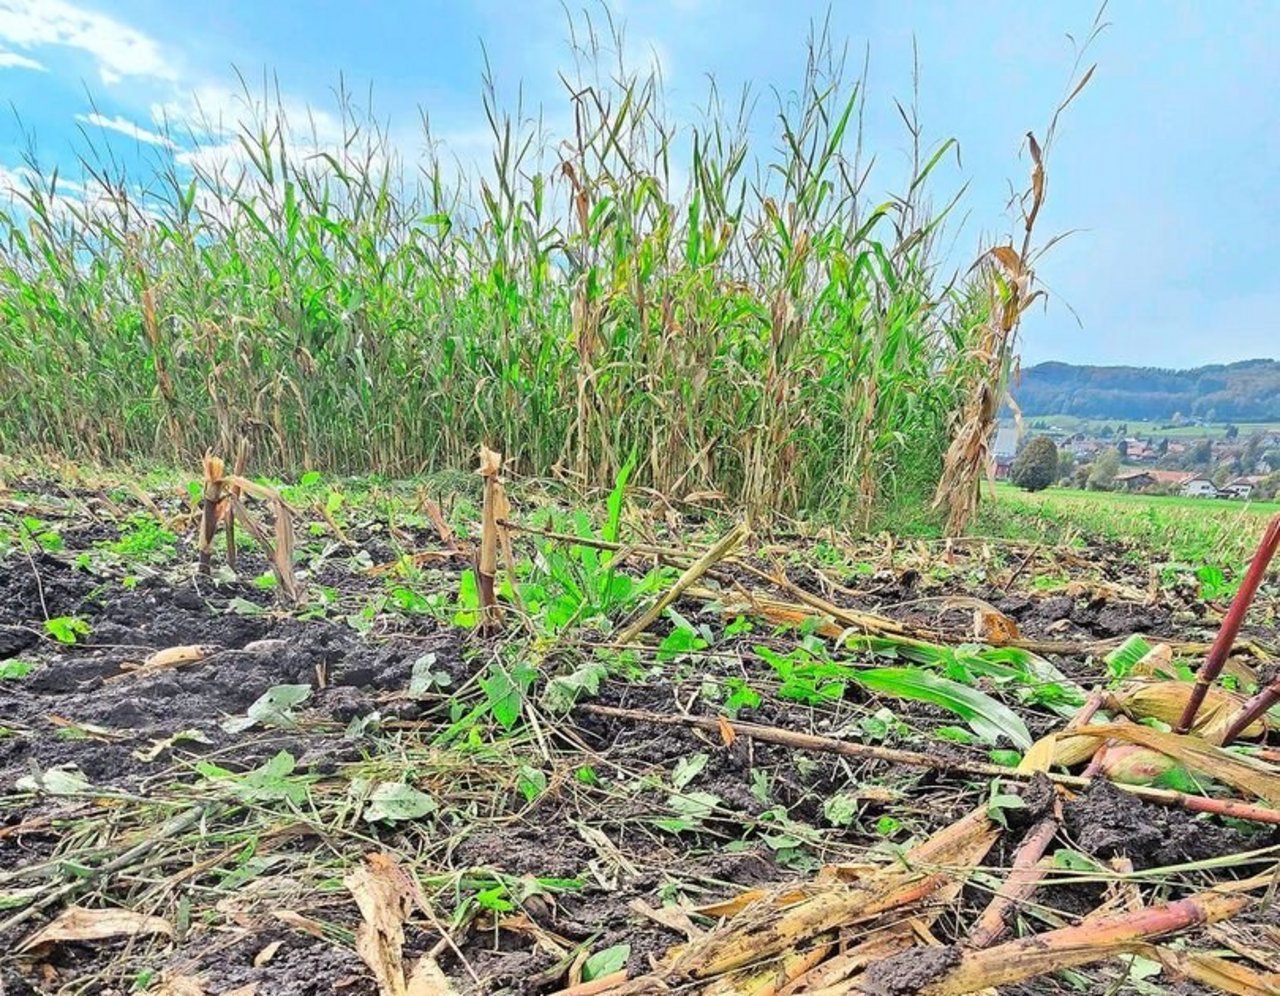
column 1226, row 638
column 1024, row 876
column 1252, row 711
column 1027, row 871
column 1090, row 941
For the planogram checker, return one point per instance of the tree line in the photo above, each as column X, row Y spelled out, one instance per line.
column 1248, row 391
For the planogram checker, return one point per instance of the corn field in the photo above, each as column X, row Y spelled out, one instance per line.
column 755, row 320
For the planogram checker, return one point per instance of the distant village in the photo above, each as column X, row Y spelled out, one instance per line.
column 1235, row 464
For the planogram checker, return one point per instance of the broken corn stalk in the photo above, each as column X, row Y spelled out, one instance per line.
column 723, row 547
column 222, row 500
column 765, row 930
column 1092, row 941
column 486, row 558
column 211, row 509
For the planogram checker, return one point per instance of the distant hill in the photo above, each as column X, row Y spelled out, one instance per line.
column 1248, row 391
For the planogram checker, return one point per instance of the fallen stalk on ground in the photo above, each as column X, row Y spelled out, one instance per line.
column 807, row 741
column 721, row 549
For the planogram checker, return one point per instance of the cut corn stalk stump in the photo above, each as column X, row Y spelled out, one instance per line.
column 493, row 539
column 222, row 504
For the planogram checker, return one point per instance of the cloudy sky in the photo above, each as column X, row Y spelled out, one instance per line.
column 1165, row 168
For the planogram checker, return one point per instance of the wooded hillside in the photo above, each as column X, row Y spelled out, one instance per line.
column 1248, row 391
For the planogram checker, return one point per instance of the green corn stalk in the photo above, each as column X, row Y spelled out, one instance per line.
column 742, row 319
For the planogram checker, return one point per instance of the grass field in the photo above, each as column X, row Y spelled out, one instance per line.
column 1195, row 530
column 1145, row 429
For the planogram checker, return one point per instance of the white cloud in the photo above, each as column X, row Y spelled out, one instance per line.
column 118, row 49
column 215, row 109
column 126, row 127
column 216, row 160
column 12, row 60
column 13, row 180
column 67, row 198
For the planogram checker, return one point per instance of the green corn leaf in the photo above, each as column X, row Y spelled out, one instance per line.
column 1125, row 657
column 986, row 717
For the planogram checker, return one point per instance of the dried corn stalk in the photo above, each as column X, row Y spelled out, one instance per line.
column 486, row 558
column 779, row 938
column 1094, row 940
column 1010, row 278
column 222, row 503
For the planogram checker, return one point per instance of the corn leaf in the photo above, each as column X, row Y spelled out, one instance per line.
column 986, row 717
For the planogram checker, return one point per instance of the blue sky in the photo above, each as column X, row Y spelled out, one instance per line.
column 1166, row 164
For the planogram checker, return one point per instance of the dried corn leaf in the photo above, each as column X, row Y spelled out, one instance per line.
column 962, row 846
column 297, row 921
column 76, row 923
column 1041, row 755
column 994, row 627
column 490, row 462
column 1246, row 774
column 1216, row 973
column 1166, row 700
column 727, row 735
column 836, row 971
column 1068, row 750
column 428, row 979
column 178, row 985
column 548, row 941
column 1009, row 259
column 379, row 889
column 771, row 978
column 846, row 872
column 261, row 491
column 1158, row 660
column 671, row 917
column 266, row 954
column 740, row 902
column 764, row 930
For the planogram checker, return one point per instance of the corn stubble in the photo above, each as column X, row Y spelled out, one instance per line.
column 222, row 504
column 752, row 322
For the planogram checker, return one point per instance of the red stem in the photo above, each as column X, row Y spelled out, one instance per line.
column 1226, row 638
column 1252, row 710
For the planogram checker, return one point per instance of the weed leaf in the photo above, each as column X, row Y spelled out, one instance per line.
column 273, row 708
column 394, row 801
column 688, row 769
column 60, row 780
column 563, row 691
column 606, row 962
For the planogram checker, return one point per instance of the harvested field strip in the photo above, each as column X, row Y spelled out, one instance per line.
column 820, row 764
